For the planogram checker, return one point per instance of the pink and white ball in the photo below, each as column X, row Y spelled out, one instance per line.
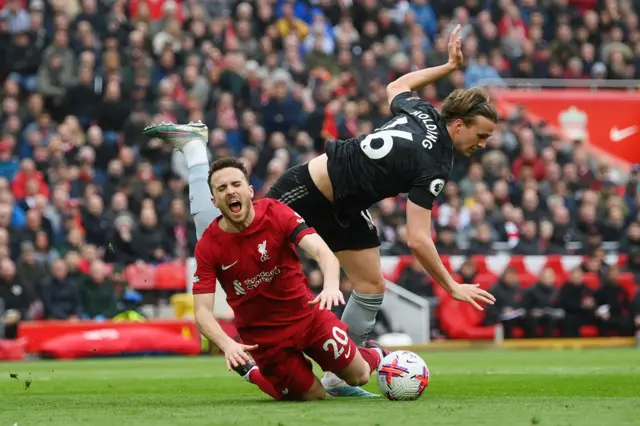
column 403, row 376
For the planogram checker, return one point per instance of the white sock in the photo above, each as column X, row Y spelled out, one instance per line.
column 195, row 152
column 330, row 380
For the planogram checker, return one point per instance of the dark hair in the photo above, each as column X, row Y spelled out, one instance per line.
column 466, row 105
column 225, row 163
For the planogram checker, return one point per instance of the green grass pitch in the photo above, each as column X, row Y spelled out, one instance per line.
column 561, row 387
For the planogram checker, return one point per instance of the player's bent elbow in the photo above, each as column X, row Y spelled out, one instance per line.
column 394, row 89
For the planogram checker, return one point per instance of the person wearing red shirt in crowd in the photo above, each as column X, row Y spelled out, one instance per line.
column 250, row 249
column 157, row 8
column 529, row 158
column 513, row 24
column 28, row 172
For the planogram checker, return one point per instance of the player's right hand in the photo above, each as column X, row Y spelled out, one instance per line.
column 328, row 298
column 236, row 354
column 472, row 293
column 455, row 48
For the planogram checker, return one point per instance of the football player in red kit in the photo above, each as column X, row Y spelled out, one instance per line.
column 250, row 250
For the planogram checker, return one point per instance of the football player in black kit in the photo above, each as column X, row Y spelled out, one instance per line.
column 412, row 153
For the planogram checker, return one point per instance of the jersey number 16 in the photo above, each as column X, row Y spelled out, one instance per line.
column 386, row 136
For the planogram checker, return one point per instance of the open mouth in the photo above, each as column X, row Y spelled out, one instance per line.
column 235, row 206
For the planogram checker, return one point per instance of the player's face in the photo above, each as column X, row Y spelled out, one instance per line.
column 467, row 139
column 232, row 194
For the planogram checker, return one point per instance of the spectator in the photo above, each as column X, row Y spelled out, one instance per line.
column 30, row 270
column 400, row 247
column 25, row 61
column 613, row 314
column 98, row 293
column 149, row 241
column 446, row 243
column 180, row 229
column 15, row 297
column 468, row 271
column 578, row 303
column 539, row 303
column 507, row 309
column 120, row 249
column 16, row 16
column 596, row 264
column 528, row 242
column 416, row 280
column 61, row 294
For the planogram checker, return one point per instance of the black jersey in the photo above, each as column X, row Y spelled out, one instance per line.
column 412, row 153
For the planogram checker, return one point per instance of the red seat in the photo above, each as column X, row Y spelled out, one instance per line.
column 554, row 261
column 517, row 262
column 592, row 280
column 140, row 277
column 561, row 279
column 171, row 276
column 623, row 258
column 403, row 262
column 480, row 262
column 462, row 321
column 628, row 282
column 527, row 280
column 486, row 280
column 589, row 331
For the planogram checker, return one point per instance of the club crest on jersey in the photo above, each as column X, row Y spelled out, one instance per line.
column 262, row 249
column 435, row 187
column 237, row 286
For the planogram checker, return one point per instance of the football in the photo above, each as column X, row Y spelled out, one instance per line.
column 403, row 376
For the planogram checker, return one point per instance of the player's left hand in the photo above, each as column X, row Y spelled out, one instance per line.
column 472, row 293
column 455, row 48
column 328, row 299
column 237, row 353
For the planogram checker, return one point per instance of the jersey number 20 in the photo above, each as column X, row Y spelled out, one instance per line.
column 337, row 344
column 386, row 136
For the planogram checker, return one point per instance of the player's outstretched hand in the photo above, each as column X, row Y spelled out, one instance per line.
column 236, row 354
column 327, row 299
column 455, row 48
column 472, row 293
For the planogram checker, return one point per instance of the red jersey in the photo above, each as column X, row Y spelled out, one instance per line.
column 259, row 270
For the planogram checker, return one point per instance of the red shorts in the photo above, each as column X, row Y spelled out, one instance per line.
column 324, row 339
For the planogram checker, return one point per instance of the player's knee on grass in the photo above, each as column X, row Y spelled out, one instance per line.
column 317, row 392
column 357, row 373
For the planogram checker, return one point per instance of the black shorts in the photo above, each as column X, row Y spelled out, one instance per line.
column 296, row 189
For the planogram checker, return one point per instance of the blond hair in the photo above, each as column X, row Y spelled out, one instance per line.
column 466, row 105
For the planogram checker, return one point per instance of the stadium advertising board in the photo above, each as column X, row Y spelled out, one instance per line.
column 608, row 120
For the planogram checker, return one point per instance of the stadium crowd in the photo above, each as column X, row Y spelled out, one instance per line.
column 83, row 193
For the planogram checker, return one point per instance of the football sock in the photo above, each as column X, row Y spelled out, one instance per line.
column 255, row 376
column 331, row 380
column 360, row 315
column 371, row 356
column 200, row 204
column 195, row 152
